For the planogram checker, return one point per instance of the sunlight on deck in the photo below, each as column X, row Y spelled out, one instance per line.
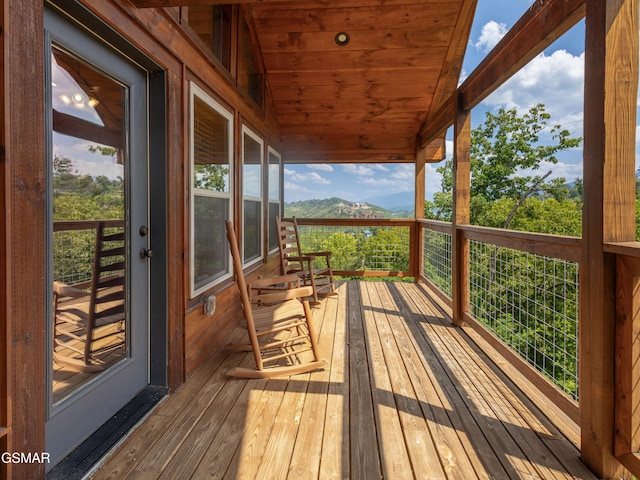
column 406, row 395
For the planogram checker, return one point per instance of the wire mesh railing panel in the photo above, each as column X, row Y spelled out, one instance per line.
column 73, row 252
column 360, row 248
column 436, row 249
column 531, row 303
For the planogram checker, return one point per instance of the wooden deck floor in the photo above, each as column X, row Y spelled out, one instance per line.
column 406, row 395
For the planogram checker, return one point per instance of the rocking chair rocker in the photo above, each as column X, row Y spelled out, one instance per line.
column 279, row 323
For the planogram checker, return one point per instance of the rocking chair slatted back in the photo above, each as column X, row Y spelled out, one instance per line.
column 278, row 322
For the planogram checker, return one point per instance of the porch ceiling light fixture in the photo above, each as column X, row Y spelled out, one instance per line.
column 342, row 39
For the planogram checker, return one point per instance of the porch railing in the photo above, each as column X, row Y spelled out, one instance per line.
column 361, row 247
column 74, row 244
column 522, row 287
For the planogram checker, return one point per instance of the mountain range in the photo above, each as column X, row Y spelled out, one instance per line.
column 339, row 208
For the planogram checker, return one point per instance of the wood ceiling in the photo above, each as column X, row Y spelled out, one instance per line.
column 365, row 101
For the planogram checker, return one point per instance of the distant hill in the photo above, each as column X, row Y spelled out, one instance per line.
column 336, row 208
column 394, row 201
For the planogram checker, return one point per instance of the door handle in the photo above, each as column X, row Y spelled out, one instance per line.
column 146, row 253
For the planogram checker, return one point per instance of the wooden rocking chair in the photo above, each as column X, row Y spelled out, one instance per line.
column 279, row 323
column 293, row 260
column 90, row 316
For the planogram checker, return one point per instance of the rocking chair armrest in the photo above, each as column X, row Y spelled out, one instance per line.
column 318, row 254
column 303, row 258
column 283, row 295
column 272, row 281
column 63, row 290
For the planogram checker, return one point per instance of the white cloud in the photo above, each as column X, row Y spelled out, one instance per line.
column 556, row 80
column 324, row 167
column 393, row 184
column 492, row 33
column 362, row 170
column 404, row 172
column 432, row 180
column 311, row 177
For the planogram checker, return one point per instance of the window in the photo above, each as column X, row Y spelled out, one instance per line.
column 252, row 154
column 213, row 25
column 274, row 197
column 211, row 154
column 249, row 76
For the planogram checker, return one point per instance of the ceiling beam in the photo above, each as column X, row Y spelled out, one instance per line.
column 539, row 27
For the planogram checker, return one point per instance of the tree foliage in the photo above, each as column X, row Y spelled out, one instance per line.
column 506, row 151
column 528, row 301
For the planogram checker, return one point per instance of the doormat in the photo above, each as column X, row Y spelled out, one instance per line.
column 82, row 460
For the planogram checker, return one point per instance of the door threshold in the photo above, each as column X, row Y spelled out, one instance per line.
column 86, row 457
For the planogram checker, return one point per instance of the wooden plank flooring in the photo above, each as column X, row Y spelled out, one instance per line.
column 406, row 395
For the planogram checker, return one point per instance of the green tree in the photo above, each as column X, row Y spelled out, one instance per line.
column 502, row 147
column 527, row 300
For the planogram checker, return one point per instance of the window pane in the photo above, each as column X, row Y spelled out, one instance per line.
column 274, row 177
column 250, row 78
column 252, row 230
column 274, row 211
column 213, row 26
column 252, row 177
column 210, row 148
column 210, row 255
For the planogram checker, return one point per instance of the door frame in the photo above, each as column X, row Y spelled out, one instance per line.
column 91, row 25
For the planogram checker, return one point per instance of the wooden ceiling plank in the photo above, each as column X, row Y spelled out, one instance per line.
column 365, row 59
column 332, row 4
column 389, row 39
column 375, row 105
column 452, row 66
column 354, row 91
column 354, row 76
column 326, row 4
column 350, row 19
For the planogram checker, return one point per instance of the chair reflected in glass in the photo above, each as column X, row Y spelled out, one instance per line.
column 89, row 316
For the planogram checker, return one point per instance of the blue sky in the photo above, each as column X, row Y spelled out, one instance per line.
column 555, row 78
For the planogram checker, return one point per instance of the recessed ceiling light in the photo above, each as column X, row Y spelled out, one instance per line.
column 342, row 38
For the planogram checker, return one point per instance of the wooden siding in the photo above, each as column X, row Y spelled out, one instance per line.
column 406, row 395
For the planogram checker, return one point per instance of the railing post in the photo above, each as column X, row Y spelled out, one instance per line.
column 417, row 237
column 461, row 213
column 611, row 77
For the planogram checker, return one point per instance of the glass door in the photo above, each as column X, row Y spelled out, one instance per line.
column 98, row 236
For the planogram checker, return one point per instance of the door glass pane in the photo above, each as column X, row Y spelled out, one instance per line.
column 89, row 245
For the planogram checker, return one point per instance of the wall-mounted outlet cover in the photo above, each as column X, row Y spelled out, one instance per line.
column 210, row 305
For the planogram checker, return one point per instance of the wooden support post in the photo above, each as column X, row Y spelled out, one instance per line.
column 24, row 253
column 461, row 214
column 421, row 160
column 418, row 238
column 611, row 76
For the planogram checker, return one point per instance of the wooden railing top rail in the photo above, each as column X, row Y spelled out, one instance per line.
column 435, row 225
column 628, row 249
column 65, row 225
column 555, row 246
column 357, row 222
